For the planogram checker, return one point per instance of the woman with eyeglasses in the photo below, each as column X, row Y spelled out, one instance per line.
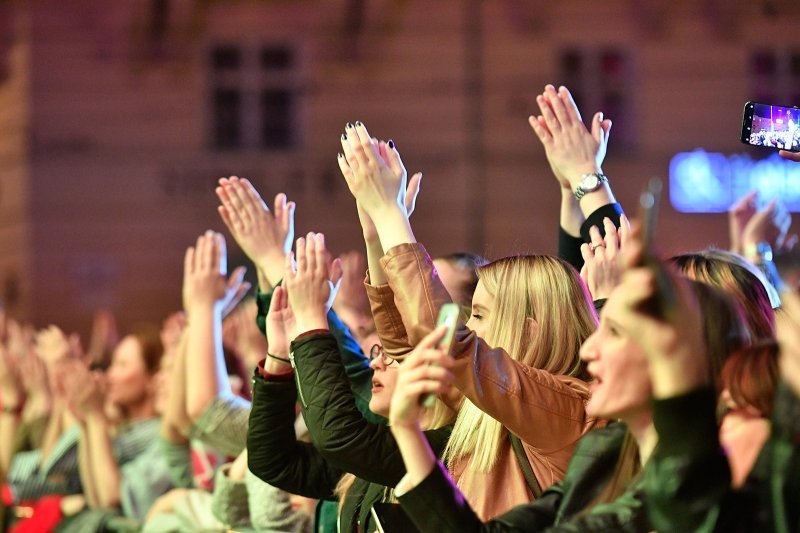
column 351, row 460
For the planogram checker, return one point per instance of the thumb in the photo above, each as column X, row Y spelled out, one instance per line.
column 597, row 126
column 412, row 191
column 336, row 272
column 236, row 278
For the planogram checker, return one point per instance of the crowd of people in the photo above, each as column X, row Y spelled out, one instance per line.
column 601, row 389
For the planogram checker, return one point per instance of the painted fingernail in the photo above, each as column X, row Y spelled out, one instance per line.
column 340, row 155
column 391, row 144
column 344, row 136
column 348, row 126
column 359, row 123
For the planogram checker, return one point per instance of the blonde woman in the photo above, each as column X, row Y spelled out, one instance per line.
column 517, row 361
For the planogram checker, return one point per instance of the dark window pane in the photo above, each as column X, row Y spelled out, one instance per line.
column 276, row 57
column 612, row 65
column 276, row 118
column 571, row 63
column 226, row 58
column 764, row 63
column 227, row 118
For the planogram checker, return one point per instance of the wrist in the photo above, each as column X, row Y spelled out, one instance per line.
column 310, row 321
column 200, row 308
column 575, row 174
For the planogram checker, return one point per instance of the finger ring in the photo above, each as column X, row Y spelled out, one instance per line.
column 595, row 246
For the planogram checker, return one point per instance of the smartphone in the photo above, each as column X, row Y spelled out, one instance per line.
column 663, row 301
column 772, row 126
column 448, row 316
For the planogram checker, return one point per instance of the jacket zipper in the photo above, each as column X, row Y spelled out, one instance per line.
column 297, row 380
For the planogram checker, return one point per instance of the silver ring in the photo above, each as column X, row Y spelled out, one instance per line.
column 595, row 246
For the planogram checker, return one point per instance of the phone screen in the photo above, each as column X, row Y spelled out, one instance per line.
column 771, row 126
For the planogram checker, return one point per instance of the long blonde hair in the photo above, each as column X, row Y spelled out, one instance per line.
column 549, row 291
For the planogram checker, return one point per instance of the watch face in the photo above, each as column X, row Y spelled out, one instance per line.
column 590, row 182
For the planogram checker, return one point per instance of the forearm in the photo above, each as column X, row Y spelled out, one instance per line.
column 270, row 270
column 571, row 215
column 175, row 414
column 417, row 453
column 84, row 470
column 103, row 468
column 209, row 377
column 374, row 254
column 394, row 228
column 9, row 422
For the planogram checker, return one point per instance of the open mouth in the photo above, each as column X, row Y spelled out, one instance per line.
column 376, row 385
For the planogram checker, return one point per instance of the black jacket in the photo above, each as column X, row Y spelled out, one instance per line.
column 436, row 505
column 344, row 440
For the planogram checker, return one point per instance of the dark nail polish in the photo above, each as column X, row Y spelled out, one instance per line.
column 391, row 144
column 359, row 123
column 348, row 126
column 344, row 136
column 341, row 155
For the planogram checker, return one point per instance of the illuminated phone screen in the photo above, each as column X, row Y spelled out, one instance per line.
column 775, row 127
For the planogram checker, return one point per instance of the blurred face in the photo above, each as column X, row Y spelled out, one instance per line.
column 618, row 366
column 453, row 279
column 128, row 380
column 384, row 377
column 482, row 305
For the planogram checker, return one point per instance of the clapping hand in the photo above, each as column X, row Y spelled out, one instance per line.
column 602, row 267
column 204, row 282
column 312, row 282
column 265, row 236
column 571, row 149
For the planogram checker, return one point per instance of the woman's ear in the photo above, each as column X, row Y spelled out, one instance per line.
column 533, row 327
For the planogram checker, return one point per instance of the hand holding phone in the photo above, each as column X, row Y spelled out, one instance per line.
column 448, row 316
column 662, row 302
column 771, row 126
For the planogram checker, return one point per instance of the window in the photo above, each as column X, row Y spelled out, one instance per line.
column 600, row 80
column 255, row 100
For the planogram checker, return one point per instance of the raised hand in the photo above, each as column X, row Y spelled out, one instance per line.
column 53, row 346
column 204, row 282
column 571, row 149
column 281, row 327
column 602, row 259
column 84, row 391
column 312, row 282
column 378, row 184
column 265, row 236
column 770, row 225
column 10, row 390
column 675, row 345
column 425, row 371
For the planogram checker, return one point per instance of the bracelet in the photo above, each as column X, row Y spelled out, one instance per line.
column 278, row 358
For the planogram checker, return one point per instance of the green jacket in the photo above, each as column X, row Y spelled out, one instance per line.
column 356, row 365
column 687, row 481
column 344, row 441
column 437, row 505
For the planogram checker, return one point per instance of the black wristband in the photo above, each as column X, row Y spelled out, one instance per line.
column 278, row 358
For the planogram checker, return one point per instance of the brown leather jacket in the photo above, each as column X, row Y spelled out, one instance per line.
column 545, row 411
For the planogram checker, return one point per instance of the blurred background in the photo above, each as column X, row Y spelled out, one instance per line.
column 117, row 118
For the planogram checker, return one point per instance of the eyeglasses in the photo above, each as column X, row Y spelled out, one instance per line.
column 377, row 351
